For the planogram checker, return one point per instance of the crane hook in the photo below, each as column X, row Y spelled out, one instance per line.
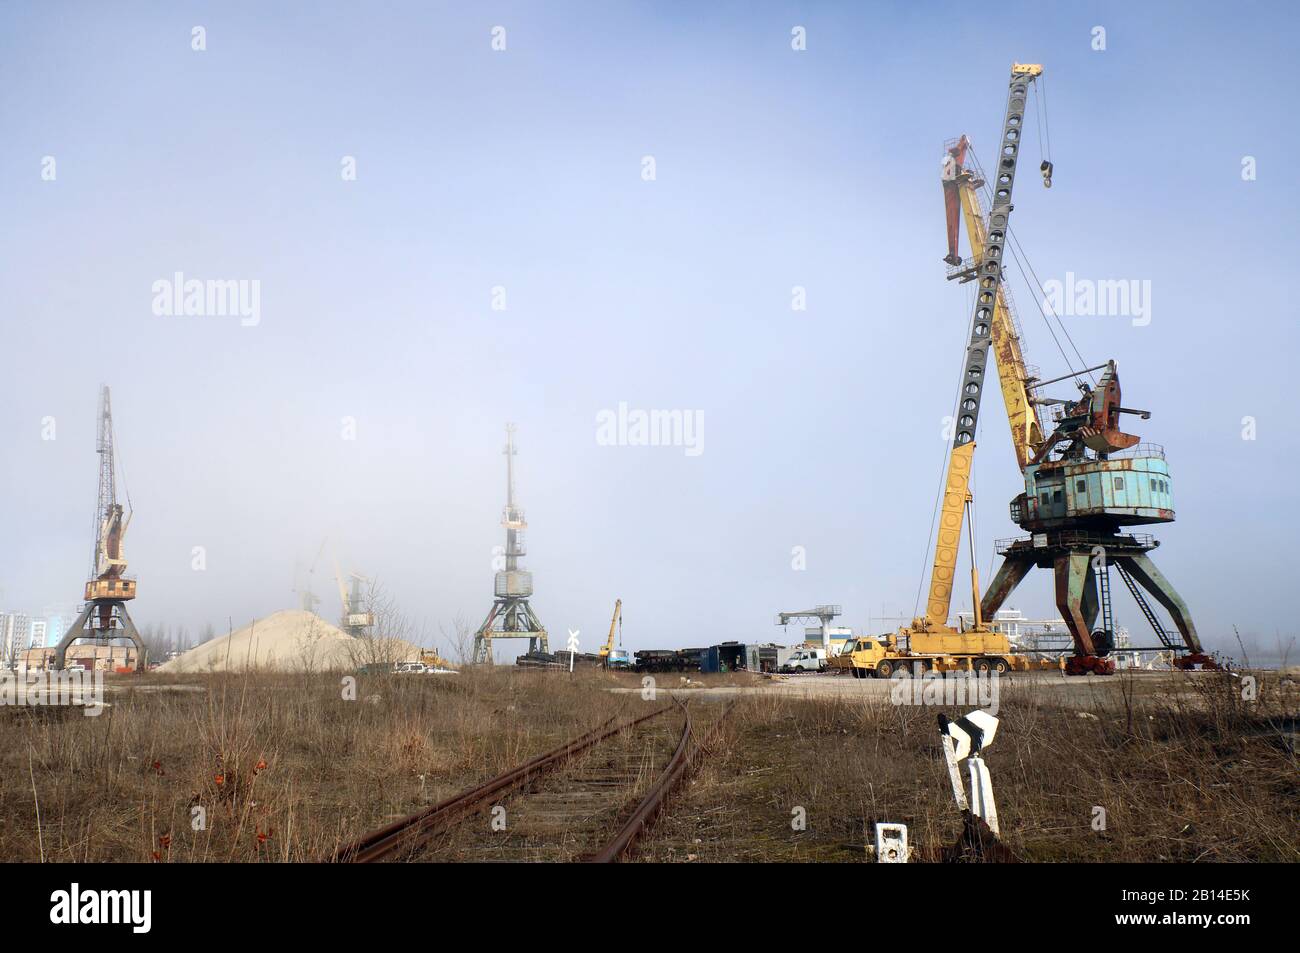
column 1046, row 169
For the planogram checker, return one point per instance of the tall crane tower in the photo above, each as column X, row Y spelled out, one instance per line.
column 1083, row 481
column 307, row 598
column 357, row 621
column 103, row 617
column 511, row 616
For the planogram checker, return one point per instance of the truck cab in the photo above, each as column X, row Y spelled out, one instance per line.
column 862, row 654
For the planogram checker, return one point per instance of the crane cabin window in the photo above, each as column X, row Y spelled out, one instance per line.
column 1119, row 483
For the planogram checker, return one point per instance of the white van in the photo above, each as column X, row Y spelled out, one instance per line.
column 805, row 660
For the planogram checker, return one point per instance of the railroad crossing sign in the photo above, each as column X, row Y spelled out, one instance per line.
column 573, row 647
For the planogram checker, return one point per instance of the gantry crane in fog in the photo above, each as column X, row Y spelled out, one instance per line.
column 104, row 618
column 357, row 620
column 307, row 598
column 824, row 615
column 1083, row 481
column 511, row 616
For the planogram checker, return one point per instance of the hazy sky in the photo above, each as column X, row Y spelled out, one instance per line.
column 523, row 169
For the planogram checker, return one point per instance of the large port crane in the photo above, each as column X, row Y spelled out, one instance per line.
column 1083, row 481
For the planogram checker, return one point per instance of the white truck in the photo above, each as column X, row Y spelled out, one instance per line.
column 805, row 660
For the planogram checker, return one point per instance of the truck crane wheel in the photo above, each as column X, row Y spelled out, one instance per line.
column 983, row 666
column 1000, row 666
column 884, row 669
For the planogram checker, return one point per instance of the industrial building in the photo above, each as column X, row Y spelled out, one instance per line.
column 120, row 657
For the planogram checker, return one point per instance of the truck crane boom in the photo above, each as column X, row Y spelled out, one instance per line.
column 989, row 283
column 613, row 624
column 961, row 187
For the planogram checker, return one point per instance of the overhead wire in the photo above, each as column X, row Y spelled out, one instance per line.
column 1022, row 262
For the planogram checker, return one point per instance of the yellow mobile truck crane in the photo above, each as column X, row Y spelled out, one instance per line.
column 930, row 642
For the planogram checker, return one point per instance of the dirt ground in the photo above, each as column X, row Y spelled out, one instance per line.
column 1168, row 767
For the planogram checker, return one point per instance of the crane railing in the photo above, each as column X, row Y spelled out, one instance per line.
column 1079, row 538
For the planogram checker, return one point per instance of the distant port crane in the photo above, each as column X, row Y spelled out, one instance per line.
column 103, row 617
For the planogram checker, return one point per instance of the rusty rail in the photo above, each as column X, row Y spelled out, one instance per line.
column 657, row 796
column 417, row 828
column 650, row 806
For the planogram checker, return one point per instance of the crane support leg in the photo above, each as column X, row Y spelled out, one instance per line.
column 1090, row 606
column 1144, row 571
column 1010, row 574
column 75, row 631
column 483, row 639
column 1073, row 574
column 78, row 631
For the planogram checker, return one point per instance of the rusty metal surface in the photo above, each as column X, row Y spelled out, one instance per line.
column 684, row 760
column 417, row 828
column 644, row 814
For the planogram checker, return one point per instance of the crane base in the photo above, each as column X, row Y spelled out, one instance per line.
column 109, row 611
column 1189, row 662
column 1089, row 665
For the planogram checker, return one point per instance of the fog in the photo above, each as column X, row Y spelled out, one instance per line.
column 501, row 256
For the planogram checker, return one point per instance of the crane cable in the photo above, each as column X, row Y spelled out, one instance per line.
column 126, row 490
column 1022, row 262
column 1040, row 114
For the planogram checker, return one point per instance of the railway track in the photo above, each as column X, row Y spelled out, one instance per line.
column 587, row 800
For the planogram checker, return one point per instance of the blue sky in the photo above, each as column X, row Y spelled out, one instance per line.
column 522, row 169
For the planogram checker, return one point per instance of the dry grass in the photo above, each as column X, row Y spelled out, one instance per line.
column 282, row 767
column 285, row 769
column 1199, row 776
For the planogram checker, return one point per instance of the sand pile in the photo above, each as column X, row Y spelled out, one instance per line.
column 290, row 641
